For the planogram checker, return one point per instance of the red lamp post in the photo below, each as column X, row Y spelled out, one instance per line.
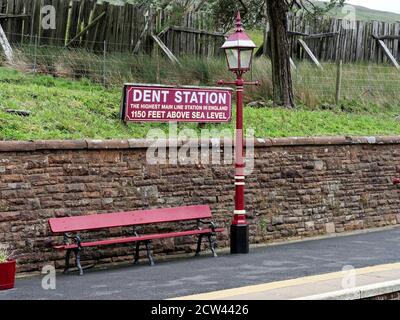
column 239, row 54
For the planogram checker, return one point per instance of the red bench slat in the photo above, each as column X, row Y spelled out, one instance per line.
column 139, row 238
column 122, row 219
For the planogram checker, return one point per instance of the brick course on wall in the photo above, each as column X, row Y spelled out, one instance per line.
column 300, row 187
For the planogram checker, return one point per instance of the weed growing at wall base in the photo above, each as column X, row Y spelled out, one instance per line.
column 4, row 255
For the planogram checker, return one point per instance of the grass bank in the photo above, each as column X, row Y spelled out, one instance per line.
column 76, row 109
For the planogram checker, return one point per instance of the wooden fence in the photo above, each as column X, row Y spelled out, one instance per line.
column 182, row 40
column 354, row 41
column 89, row 24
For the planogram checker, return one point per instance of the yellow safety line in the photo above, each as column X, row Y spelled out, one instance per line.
column 229, row 293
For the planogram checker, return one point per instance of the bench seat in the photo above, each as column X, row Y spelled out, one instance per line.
column 135, row 239
column 70, row 227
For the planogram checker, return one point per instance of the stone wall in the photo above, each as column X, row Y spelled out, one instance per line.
column 300, row 187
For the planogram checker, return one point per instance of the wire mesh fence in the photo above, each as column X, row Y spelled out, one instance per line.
column 366, row 83
column 377, row 83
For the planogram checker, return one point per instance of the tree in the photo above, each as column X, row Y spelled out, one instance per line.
column 280, row 55
column 253, row 13
column 277, row 11
column 223, row 12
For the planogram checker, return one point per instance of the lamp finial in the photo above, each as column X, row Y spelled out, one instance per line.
column 239, row 24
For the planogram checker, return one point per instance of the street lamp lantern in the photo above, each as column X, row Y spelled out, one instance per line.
column 239, row 55
column 239, row 49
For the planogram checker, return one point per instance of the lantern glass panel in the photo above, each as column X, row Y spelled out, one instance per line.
column 232, row 56
column 245, row 58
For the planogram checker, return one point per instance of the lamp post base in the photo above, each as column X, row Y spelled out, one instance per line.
column 239, row 239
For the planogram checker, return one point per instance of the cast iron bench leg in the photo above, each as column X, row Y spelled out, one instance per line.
column 149, row 255
column 212, row 245
column 67, row 258
column 199, row 245
column 78, row 261
column 137, row 252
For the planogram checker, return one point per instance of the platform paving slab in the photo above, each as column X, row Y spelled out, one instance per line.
column 374, row 280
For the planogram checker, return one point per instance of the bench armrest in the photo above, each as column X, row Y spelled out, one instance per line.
column 76, row 239
column 212, row 224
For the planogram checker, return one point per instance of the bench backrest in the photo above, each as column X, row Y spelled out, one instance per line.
column 132, row 218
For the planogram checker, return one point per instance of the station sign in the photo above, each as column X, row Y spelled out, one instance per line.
column 159, row 103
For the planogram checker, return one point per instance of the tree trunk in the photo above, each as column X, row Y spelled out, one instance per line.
column 280, row 54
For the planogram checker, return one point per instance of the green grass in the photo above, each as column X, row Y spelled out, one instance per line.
column 257, row 36
column 71, row 109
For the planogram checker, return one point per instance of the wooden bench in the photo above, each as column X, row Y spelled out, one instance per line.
column 73, row 242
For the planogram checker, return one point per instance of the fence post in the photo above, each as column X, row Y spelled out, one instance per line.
column 35, row 55
column 339, row 80
column 104, row 62
column 158, row 63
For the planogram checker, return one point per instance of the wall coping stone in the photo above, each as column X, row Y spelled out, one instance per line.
column 89, row 144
